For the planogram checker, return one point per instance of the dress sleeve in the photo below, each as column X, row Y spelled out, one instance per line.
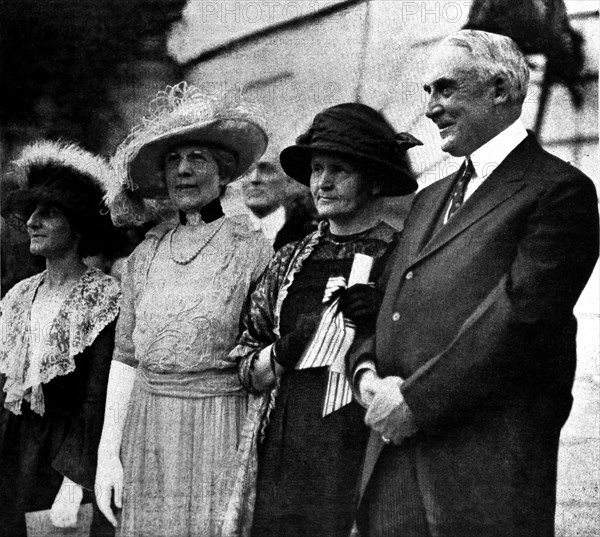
column 264, row 254
column 77, row 455
column 258, row 322
column 124, row 348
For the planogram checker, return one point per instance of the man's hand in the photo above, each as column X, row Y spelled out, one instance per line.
column 387, row 413
column 63, row 513
column 368, row 385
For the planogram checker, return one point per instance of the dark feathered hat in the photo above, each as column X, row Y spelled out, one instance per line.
column 67, row 177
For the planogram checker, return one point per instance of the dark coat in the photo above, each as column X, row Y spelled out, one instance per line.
column 485, row 340
column 37, row 451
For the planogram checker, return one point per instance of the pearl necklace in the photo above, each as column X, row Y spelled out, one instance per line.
column 189, row 259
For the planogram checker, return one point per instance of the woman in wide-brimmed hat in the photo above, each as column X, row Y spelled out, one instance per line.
column 177, row 403
column 57, row 336
column 313, row 444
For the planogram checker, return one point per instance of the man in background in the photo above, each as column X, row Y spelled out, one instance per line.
column 278, row 205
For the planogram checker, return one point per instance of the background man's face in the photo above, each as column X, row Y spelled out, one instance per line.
column 264, row 191
column 460, row 103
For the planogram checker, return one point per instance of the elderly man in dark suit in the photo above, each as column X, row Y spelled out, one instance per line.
column 468, row 381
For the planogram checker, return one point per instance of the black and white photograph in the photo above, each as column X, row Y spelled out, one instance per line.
column 299, row 268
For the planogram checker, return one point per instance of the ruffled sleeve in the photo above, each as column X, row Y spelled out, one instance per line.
column 14, row 346
column 258, row 328
column 259, row 248
column 264, row 254
column 133, row 282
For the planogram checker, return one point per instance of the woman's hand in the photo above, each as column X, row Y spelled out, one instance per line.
column 109, row 480
column 109, row 471
column 289, row 349
column 361, row 303
column 63, row 513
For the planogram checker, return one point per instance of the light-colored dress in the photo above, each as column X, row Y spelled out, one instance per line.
column 177, row 325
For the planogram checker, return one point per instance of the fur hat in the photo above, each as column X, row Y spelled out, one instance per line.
column 357, row 131
column 67, row 177
column 180, row 114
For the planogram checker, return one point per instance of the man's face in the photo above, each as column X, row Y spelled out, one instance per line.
column 460, row 104
column 265, row 189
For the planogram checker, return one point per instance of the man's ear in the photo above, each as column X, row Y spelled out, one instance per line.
column 500, row 90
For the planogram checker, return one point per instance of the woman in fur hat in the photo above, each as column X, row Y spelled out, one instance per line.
column 57, row 337
column 309, row 460
column 166, row 451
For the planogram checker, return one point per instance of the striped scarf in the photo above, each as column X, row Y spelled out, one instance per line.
column 328, row 348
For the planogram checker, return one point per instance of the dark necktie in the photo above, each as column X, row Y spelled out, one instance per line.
column 458, row 196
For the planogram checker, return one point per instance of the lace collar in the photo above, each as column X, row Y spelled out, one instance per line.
column 91, row 305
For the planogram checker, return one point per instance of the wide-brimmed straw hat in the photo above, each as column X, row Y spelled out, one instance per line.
column 65, row 176
column 357, row 131
column 181, row 114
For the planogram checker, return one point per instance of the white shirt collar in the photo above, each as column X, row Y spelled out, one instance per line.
column 270, row 224
column 487, row 157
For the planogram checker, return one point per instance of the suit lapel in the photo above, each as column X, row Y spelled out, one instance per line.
column 418, row 230
column 502, row 183
column 432, row 207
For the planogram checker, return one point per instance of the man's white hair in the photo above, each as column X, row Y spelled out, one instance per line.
column 495, row 55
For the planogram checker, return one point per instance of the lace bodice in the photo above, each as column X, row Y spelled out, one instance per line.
column 185, row 318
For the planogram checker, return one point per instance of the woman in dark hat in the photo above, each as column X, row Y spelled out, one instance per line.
column 165, row 454
column 57, row 337
column 309, row 460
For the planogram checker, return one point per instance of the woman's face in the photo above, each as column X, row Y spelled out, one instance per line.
column 338, row 189
column 192, row 176
column 50, row 233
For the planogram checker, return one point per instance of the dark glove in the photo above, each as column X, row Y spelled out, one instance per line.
column 361, row 303
column 288, row 349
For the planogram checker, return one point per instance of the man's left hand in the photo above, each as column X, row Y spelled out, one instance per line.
column 388, row 414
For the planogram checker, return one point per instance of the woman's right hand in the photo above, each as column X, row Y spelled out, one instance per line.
column 109, row 480
column 289, row 349
column 361, row 302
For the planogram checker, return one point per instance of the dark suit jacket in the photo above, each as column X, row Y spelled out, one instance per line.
column 299, row 222
column 485, row 339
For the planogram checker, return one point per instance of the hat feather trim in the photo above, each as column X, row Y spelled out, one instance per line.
column 178, row 109
column 69, row 155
